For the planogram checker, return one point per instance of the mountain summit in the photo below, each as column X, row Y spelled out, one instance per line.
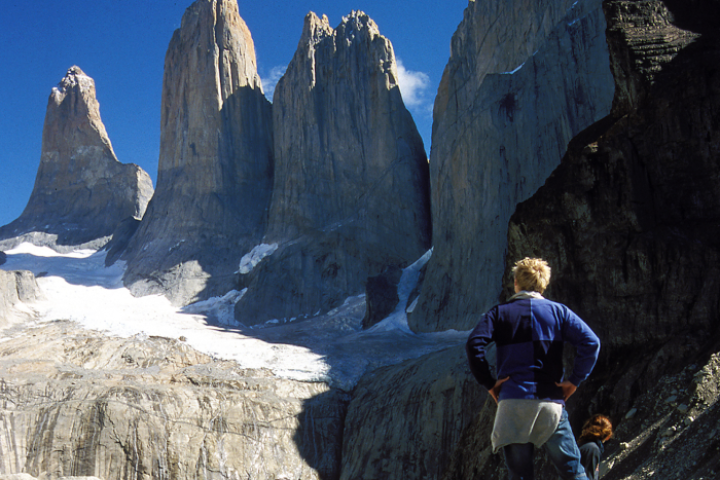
column 215, row 166
column 81, row 190
column 346, row 149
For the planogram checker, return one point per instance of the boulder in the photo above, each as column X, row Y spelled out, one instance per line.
column 523, row 78
column 215, row 166
column 81, row 190
column 346, row 148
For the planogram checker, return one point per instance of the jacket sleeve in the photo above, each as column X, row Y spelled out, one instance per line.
column 577, row 333
column 479, row 338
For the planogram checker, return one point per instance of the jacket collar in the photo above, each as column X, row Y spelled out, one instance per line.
column 524, row 294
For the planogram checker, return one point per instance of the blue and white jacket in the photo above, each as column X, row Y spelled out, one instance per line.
column 529, row 333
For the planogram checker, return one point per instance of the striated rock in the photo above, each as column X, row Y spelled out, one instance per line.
column 523, row 78
column 404, row 421
column 81, row 190
column 18, row 291
column 75, row 403
column 215, row 166
column 345, row 149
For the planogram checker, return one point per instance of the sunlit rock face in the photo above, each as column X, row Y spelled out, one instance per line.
column 523, row 78
column 75, row 403
column 215, row 166
column 18, row 291
column 351, row 189
column 630, row 223
column 81, row 190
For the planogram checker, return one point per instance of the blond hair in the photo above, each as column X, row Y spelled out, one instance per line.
column 532, row 274
column 597, row 427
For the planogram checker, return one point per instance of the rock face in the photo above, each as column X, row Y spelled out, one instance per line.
column 18, row 291
column 404, row 421
column 81, row 190
column 215, row 166
column 630, row 225
column 523, row 78
column 80, row 404
column 345, row 148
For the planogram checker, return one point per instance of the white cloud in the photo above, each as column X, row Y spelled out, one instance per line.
column 414, row 88
column 269, row 83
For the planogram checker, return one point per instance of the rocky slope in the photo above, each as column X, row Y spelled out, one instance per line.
column 81, row 190
column 629, row 223
column 523, row 78
column 78, row 403
column 215, row 166
column 345, row 148
column 404, row 421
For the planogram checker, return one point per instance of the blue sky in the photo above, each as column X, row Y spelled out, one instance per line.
column 121, row 44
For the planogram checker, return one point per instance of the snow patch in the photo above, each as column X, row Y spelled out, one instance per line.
column 256, row 255
column 330, row 348
column 514, row 71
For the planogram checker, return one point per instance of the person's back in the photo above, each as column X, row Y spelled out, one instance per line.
column 531, row 389
column 544, row 326
column 590, row 455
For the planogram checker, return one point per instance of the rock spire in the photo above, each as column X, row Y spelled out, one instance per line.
column 215, row 166
column 81, row 190
column 346, row 148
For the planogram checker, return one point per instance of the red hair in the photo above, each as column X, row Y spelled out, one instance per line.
column 597, row 427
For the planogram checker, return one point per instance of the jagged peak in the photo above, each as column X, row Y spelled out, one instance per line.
column 357, row 21
column 315, row 29
column 74, row 78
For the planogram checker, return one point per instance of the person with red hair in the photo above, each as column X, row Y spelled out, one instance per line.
column 596, row 431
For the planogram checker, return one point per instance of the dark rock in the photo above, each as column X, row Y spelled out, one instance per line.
column 517, row 88
column 3, row 258
column 381, row 295
column 120, row 239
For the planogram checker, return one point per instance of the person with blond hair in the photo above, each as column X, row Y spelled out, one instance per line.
column 596, row 431
column 530, row 387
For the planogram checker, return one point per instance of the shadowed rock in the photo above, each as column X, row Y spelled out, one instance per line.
column 523, row 78
column 350, row 194
column 405, row 420
column 81, row 191
column 630, row 224
column 381, row 295
column 215, row 166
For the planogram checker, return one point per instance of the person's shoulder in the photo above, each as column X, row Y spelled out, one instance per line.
column 589, row 446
